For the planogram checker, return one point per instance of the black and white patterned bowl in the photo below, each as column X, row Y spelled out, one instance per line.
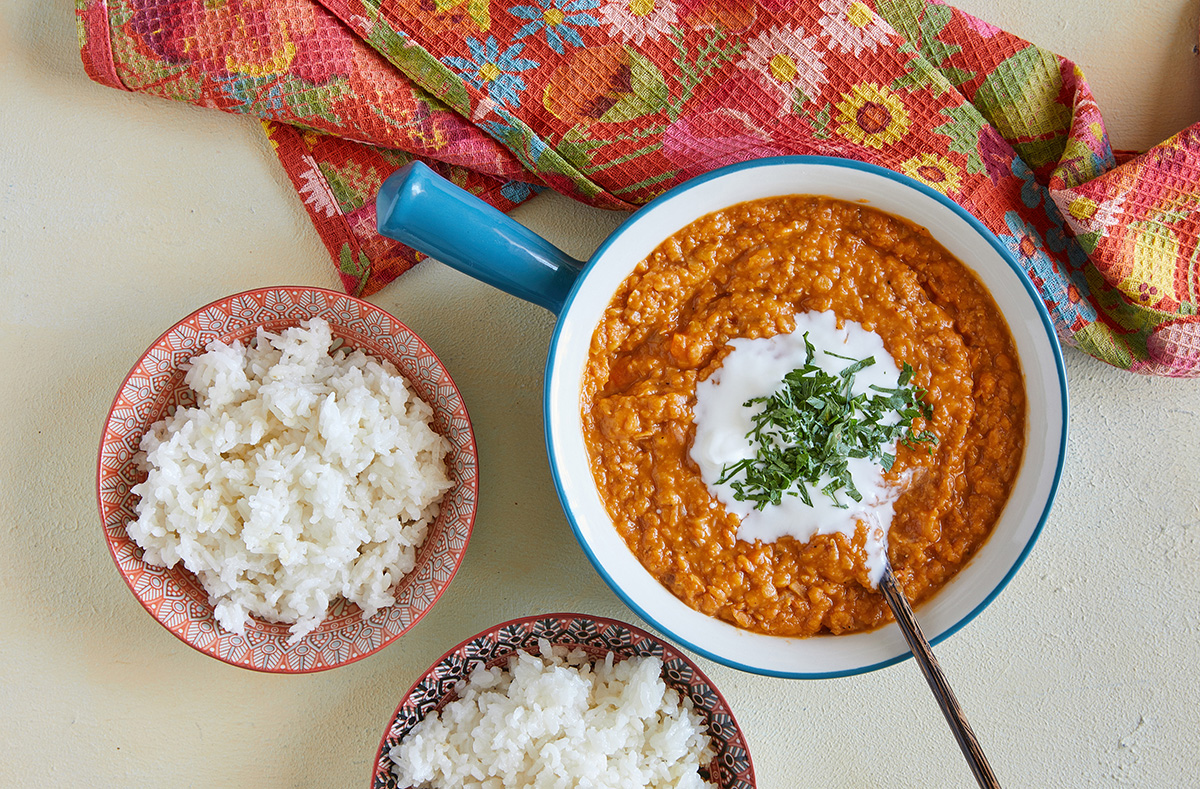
column 730, row 769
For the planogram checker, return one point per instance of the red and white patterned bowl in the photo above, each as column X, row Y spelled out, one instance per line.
column 730, row 769
column 155, row 386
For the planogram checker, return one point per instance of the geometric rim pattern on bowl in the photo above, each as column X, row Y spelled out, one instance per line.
column 155, row 385
column 732, row 767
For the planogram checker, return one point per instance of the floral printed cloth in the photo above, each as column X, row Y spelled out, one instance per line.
column 615, row 101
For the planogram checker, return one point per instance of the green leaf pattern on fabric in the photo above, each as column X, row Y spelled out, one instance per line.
column 963, row 126
column 614, row 101
column 922, row 25
column 648, row 93
column 696, row 66
column 424, row 69
column 1020, row 97
column 357, row 267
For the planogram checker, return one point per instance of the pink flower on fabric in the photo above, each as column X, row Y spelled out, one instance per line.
column 1174, row 349
column 165, row 29
column 996, row 152
column 851, row 26
column 741, row 119
column 788, row 60
column 712, row 139
column 315, row 193
column 638, row 20
column 984, row 29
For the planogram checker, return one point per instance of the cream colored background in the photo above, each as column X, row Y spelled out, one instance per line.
column 121, row 213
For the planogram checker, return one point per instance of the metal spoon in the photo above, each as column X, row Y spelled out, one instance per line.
column 937, row 681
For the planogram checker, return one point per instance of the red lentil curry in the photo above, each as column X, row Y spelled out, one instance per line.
column 745, row 272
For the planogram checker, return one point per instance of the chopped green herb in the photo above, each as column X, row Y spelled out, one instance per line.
column 811, row 426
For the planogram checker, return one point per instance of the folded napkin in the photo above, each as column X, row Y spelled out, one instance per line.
column 614, row 101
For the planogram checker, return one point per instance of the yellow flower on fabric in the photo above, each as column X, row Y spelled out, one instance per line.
column 259, row 51
column 859, row 15
column 479, row 11
column 872, row 115
column 1155, row 260
column 934, row 170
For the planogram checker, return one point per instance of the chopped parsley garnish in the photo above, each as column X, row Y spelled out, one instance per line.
column 811, row 426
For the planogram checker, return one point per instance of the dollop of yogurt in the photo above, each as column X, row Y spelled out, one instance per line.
column 755, row 368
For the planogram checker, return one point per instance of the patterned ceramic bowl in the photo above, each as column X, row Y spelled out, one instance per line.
column 731, row 769
column 155, row 386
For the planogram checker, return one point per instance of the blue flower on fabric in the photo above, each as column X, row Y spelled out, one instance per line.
column 517, row 137
column 519, row 191
column 1058, row 240
column 495, row 72
column 1064, row 294
column 1027, row 245
column 1031, row 190
column 247, row 92
column 556, row 18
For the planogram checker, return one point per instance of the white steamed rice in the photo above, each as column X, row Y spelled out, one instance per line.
column 559, row 721
column 300, row 476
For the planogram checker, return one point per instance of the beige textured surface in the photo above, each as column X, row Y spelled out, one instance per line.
column 120, row 213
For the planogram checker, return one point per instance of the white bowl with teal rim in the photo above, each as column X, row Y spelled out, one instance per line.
column 421, row 209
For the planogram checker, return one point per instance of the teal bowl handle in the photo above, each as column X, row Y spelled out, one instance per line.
column 420, row 208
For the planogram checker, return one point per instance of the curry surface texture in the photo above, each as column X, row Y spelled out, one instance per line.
column 745, row 272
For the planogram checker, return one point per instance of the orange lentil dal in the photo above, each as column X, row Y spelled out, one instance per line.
column 745, row 272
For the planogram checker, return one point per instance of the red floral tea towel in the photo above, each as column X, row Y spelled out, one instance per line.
column 614, row 101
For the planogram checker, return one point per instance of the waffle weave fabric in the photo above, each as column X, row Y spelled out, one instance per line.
column 613, row 102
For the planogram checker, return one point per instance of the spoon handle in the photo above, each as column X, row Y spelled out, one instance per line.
column 937, row 681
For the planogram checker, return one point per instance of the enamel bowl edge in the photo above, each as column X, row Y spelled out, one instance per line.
column 977, row 584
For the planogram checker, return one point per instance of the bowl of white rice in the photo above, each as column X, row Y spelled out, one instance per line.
column 287, row 479
column 562, row 701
